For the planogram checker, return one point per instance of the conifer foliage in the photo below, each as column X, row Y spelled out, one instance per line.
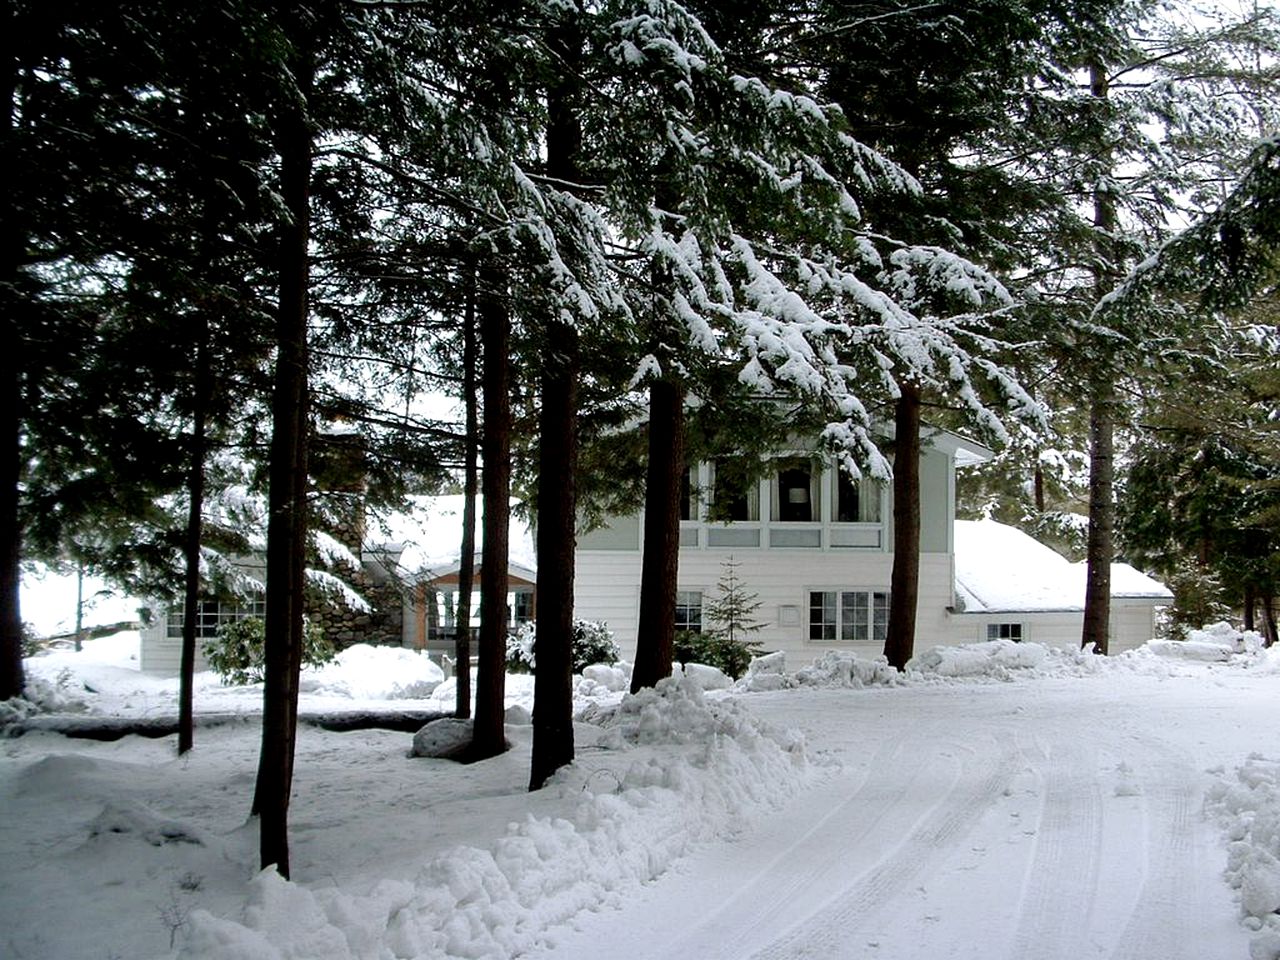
column 776, row 213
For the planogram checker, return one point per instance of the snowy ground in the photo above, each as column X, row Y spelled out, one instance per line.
column 1002, row 801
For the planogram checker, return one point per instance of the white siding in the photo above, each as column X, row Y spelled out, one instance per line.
column 1132, row 625
column 607, row 586
column 160, row 653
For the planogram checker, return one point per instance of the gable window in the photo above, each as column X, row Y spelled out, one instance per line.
column 1005, row 631
column 796, row 490
column 211, row 615
column 736, row 493
column 851, row 616
column 689, row 610
column 857, row 501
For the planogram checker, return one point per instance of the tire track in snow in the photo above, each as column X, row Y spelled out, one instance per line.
column 815, row 862
column 1061, row 882
column 1159, row 925
column 975, row 786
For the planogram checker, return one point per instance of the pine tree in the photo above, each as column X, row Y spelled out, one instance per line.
column 732, row 609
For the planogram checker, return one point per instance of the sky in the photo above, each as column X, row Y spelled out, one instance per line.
column 996, row 801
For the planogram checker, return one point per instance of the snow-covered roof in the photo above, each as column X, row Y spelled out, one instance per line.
column 1000, row 568
column 430, row 535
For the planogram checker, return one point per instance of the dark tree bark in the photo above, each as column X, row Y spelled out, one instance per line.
column 1102, row 399
column 12, row 679
column 1249, row 604
column 1102, row 516
column 191, row 546
column 488, row 736
column 660, row 570
column 557, row 478
column 467, row 552
column 557, row 455
column 1270, row 631
column 904, row 582
column 287, row 502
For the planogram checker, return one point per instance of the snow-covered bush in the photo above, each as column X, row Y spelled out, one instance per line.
column 238, row 653
column 592, row 643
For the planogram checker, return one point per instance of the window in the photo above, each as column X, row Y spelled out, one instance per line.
column 851, row 616
column 523, row 605
column 796, row 490
column 857, row 501
column 1005, row 631
column 689, row 610
column 212, row 614
column 737, row 495
column 686, row 494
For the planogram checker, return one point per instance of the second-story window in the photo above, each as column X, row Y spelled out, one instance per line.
column 736, row 493
column 857, row 501
column 796, row 491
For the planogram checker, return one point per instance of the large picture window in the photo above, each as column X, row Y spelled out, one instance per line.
column 212, row 614
column 850, row 616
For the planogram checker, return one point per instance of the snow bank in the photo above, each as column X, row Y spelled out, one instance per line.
column 839, row 668
column 705, row 676
column 717, row 767
column 1249, row 810
column 766, row 673
column 992, row 658
column 1215, row 643
column 365, row 672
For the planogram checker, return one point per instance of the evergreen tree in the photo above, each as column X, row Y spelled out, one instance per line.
column 732, row 609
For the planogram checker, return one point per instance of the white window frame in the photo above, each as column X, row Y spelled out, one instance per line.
column 1005, row 630
column 686, row 593
column 869, row 626
column 212, row 615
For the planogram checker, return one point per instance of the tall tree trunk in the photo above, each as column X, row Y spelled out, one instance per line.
column 557, row 479
column 1250, row 603
column 1102, row 516
column 467, row 552
column 488, row 736
column 193, row 536
column 1270, row 632
column 1102, row 398
column 287, row 502
column 12, row 678
column 660, row 570
column 904, row 581
column 557, row 453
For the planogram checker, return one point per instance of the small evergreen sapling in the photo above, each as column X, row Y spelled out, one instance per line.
column 731, row 614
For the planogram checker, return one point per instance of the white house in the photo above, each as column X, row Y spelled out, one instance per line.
column 1011, row 586
column 816, row 548
column 408, row 573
